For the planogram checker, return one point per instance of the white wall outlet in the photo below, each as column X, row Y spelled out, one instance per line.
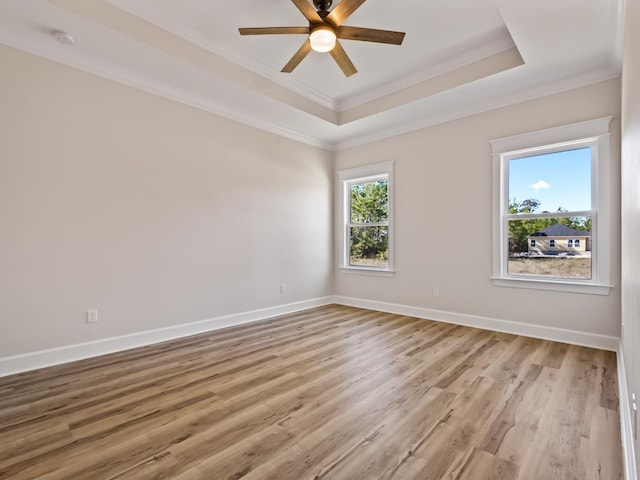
column 283, row 289
column 436, row 292
column 92, row 316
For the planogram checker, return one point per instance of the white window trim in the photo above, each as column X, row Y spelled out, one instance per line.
column 598, row 132
column 345, row 178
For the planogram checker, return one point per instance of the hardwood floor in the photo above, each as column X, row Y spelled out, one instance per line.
column 329, row 393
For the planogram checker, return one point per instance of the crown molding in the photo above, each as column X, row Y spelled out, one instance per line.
column 243, row 60
column 488, row 104
column 52, row 52
column 154, row 87
column 448, row 60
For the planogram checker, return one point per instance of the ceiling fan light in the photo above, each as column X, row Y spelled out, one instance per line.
column 323, row 39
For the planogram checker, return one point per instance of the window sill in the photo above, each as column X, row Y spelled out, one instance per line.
column 374, row 272
column 553, row 285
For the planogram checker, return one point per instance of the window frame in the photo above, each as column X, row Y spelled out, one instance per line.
column 346, row 178
column 592, row 133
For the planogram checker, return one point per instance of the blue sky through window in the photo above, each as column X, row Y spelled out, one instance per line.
column 561, row 179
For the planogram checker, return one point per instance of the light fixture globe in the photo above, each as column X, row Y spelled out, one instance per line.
column 323, row 38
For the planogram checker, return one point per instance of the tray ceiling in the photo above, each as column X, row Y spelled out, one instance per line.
column 458, row 58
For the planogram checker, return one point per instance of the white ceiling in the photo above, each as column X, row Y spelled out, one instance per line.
column 459, row 57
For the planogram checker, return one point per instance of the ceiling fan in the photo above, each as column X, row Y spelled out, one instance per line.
column 324, row 30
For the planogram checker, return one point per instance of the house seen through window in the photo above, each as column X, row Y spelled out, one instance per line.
column 549, row 205
column 551, row 220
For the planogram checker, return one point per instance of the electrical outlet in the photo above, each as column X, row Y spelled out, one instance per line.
column 283, row 289
column 436, row 292
column 92, row 316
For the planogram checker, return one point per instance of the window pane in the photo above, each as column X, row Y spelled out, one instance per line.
column 552, row 247
column 370, row 202
column 553, row 182
column 369, row 246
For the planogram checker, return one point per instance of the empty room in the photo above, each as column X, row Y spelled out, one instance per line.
column 315, row 239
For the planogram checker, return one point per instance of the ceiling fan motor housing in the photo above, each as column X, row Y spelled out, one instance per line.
column 322, row 5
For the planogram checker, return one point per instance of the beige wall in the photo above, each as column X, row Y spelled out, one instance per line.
column 631, row 201
column 159, row 214
column 443, row 217
column 150, row 211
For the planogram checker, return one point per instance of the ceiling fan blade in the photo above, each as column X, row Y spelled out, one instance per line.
column 343, row 10
column 343, row 60
column 370, row 35
column 308, row 11
column 273, row 30
column 302, row 52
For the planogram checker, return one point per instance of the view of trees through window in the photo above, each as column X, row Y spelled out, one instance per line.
column 369, row 224
column 545, row 237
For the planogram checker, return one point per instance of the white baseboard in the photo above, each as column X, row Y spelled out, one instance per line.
column 626, row 424
column 574, row 337
column 70, row 353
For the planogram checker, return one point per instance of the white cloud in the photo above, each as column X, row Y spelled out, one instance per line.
column 539, row 185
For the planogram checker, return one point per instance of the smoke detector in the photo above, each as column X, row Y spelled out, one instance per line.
column 64, row 37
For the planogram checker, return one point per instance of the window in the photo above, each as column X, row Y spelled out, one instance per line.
column 366, row 219
column 553, row 183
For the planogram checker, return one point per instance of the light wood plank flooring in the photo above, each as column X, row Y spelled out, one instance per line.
column 329, row 393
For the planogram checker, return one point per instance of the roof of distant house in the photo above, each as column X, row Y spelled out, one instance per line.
column 560, row 230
